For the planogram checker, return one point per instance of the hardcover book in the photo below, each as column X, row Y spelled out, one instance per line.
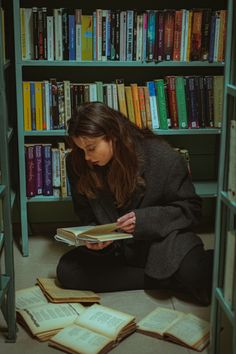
column 97, row 330
column 78, row 235
column 184, row 329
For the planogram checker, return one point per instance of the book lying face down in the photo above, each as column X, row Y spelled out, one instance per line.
column 79, row 235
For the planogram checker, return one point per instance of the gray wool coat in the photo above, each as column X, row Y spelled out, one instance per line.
column 165, row 211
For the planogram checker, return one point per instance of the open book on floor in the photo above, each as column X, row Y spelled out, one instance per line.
column 43, row 319
column 55, row 293
column 97, row 330
column 184, row 329
column 78, row 235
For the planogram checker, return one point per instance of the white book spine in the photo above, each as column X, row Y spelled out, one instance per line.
column 67, row 101
column 56, row 174
column 29, row 33
column 99, row 34
column 50, row 38
column 114, row 97
column 139, row 37
column 129, row 35
column 58, row 34
column 46, row 104
column 93, row 92
column 216, row 39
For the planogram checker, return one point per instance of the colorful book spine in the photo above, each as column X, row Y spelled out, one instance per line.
column 47, row 169
column 30, row 170
column 161, row 103
column 153, row 105
column 27, row 106
column 181, row 102
column 38, row 169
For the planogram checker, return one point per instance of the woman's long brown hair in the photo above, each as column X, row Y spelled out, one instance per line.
column 97, row 119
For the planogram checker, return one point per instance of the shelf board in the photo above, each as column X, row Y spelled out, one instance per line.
column 206, row 189
column 4, row 282
column 224, row 304
column 2, row 190
column 199, row 131
column 226, row 199
column 51, row 198
column 55, row 132
column 119, row 63
column 231, row 89
column 13, row 197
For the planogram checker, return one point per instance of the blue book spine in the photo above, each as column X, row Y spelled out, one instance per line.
column 32, row 104
column 212, row 38
column 71, row 37
column 94, row 36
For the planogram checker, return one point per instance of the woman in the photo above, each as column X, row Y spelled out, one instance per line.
column 120, row 173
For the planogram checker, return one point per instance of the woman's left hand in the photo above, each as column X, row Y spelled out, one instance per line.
column 127, row 222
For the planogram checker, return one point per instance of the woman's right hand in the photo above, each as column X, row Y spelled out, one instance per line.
column 98, row 245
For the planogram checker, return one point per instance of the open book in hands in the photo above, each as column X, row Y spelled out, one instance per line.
column 185, row 329
column 97, row 330
column 77, row 236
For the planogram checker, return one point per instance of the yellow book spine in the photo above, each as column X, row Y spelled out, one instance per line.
column 23, row 34
column 38, row 105
column 138, row 120
column 27, row 106
column 129, row 103
column 87, row 37
column 189, row 34
column 121, row 98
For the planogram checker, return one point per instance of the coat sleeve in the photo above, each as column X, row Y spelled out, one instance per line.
column 180, row 209
column 81, row 204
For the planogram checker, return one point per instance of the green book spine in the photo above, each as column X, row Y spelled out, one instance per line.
column 99, row 85
column 181, row 102
column 161, row 103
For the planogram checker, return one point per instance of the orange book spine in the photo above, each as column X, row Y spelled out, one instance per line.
column 138, row 120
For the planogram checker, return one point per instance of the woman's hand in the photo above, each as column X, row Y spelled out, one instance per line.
column 127, row 222
column 98, row 245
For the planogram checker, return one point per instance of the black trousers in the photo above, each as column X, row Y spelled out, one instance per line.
column 107, row 271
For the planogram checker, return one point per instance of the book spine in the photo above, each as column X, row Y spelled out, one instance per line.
column 35, row 32
column 147, row 106
column 38, row 105
column 129, row 33
column 202, row 101
column 206, row 22
column 47, row 169
column 177, row 35
column 169, row 20
column 67, row 101
column 54, row 98
column 161, row 103
column 209, row 101
column 160, row 45
column 121, row 96
column 32, row 105
column 38, row 169
column 71, row 37
column 50, row 38
column 218, row 95
column 134, row 89
column 181, row 102
column 193, row 108
column 87, row 37
column 172, row 101
column 58, row 43
column 78, row 34
column 142, row 106
column 30, row 170
column 196, row 36
column 61, row 147
column 65, row 33
column 153, row 105
column 56, row 169
column 27, row 106
column 129, row 102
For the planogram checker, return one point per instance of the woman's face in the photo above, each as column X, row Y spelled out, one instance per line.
column 97, row 151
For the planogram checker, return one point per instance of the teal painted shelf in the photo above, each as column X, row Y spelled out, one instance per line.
column 40, row 199
column 200, row 131
column 230, row 203
column 7, row 64
column 10, row 134
column 116, row 64
column 206, row 189
column 225, row 305
column 231, row 90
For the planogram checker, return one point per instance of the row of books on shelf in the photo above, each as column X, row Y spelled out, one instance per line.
column 173, row 102
column 74, row 321
column 46, row 170
column 125, row 35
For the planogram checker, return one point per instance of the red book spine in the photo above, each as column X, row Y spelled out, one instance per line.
column 171, row 89
column 177, row 35
column 169, row 22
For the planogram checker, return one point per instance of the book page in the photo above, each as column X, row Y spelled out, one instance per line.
column 80, row 340
column 30, row 297
column 159, row 320
column 190, row 329
column 56, row 293
column 103, row 238
column 50, row 316
column 104, row 320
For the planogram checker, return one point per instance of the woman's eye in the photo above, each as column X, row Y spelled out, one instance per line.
column 91, row 149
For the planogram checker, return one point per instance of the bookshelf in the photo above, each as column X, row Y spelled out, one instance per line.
column 106, row 71
column 7, row 289
column 224, row 281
